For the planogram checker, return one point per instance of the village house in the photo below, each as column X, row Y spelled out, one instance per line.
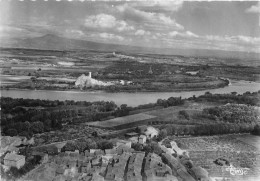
column 171, row 161
column 200, row 173
column 135, row 167
column 134, row 139
column 119, row 166
column 14, row 160
column 151, row 132
column 44, row 156
column 142, row 139
column 123, row 148
column 124, row 142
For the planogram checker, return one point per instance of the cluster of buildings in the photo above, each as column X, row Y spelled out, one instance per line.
column 121, row 163
column 87, row 81
column 118, row 164
column 9, row 149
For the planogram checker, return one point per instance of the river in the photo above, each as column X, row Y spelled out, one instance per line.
column 131, row 99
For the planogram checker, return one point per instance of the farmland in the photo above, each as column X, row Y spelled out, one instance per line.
column 147, row 72
column 204, row 151
column 124, row 122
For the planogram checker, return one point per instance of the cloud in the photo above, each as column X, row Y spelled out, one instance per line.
column 234, row 39
column 254, row 9
column 186, row 34
column 100, row 20
column 159, row 5
column 141, row 32
column 74, row 33
column 123, row 26
column 111, row 36
column 107, row 21
column 149, row 20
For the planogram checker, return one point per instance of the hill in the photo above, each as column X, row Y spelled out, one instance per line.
column 53, row 42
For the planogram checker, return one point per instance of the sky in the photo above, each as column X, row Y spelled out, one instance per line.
column 222, row 25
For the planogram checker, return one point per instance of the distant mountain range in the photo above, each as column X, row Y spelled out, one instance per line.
column 53, row 42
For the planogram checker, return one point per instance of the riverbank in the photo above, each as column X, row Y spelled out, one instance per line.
column 131, row 99
column 164, row 87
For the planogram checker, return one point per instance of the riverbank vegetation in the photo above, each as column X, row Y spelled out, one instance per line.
column 204, row 115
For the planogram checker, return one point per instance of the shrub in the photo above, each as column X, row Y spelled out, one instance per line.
column 184, row 114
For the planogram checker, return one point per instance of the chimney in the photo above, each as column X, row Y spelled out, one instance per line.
column 89, row 74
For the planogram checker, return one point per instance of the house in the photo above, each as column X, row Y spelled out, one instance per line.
column 52, row 150
column 123, row 148
column 60, row 146
column 135, row 167
column 182, row 172
column 60, row 170
column 96, row 162
column 94, row 152
column 142, row 139
column 44, row 156
column 134, row 139
column 171, row 161
column 87, row 153
column 110, row 175
column 124, row 142
column 14, row 160
column 110, row 152
column 200, row 173
column 151, row 132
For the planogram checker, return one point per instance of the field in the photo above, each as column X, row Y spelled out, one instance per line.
column 250, row 140
column 68, row 132
column 123, row 122
column 171, row 114
column 205, row 150
column 147, row 72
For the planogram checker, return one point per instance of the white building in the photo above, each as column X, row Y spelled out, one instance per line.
column 142, row 139
column 124, row 142
column 14, row 160
column 134, row 139
column 151, row 132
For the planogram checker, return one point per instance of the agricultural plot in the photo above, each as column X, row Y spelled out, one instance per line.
column 170, row 114
column 215, row 143
column 124, row 122
column 204, row 151
column 69, row 132
column 250, row 140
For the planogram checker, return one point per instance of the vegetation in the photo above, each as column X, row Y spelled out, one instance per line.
column 184, row 114
column 86, row 144
column 233, row 113
column 256, row 130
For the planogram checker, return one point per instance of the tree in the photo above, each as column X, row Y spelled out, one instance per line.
column 184, row 114
column 70, row 146
column 26, row 126
column 11, row 132
column 162, row 134
column 256, row 130
column 104, row 144
column 137, row 146
column 37, row 127
column 47, row 124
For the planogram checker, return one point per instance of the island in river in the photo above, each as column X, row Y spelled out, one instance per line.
column 60, row 70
